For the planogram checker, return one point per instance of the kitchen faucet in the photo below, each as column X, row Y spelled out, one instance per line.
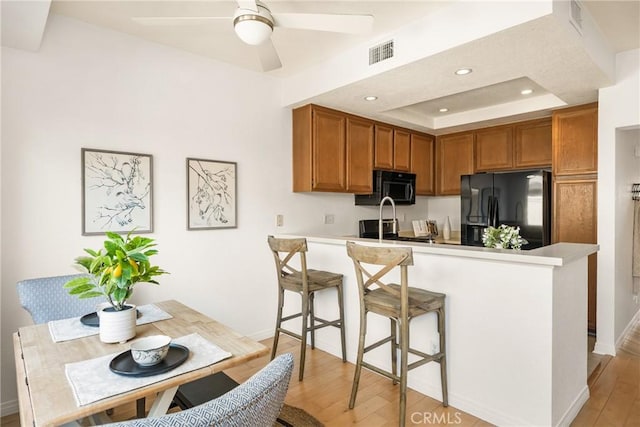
column 393, row 206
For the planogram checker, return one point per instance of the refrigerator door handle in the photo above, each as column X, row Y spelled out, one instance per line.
column 496, row 213
column 490, row 211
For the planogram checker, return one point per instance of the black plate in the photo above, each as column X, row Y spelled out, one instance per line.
column 92, row 319
column 123, row 363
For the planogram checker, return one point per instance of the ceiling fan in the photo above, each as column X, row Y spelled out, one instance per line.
column 253, row 23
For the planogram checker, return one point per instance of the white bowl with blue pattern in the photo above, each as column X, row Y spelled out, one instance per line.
column 151, row 350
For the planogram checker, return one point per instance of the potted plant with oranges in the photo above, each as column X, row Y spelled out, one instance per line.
column 113, row 272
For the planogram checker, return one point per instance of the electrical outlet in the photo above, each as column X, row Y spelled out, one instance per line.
column 329, row 219
column 279, row 220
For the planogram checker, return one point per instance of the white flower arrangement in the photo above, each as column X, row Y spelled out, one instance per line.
column 503, row 237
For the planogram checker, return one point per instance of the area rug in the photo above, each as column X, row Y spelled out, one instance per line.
column 290, row 416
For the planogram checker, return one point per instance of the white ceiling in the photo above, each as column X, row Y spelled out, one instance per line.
column 536, row 54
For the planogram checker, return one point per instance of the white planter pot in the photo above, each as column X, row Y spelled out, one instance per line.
column 117, row 326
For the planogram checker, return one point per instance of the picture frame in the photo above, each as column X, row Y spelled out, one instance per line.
column 117, row 192
column 212, row 201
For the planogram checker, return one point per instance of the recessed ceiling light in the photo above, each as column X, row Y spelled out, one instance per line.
column 443, row 110
column 370, row 98
column 463, row 71
column 526, row 91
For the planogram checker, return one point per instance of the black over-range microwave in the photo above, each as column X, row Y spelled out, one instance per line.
column 400, row 186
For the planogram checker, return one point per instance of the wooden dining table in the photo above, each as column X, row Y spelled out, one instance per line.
column 46, row 398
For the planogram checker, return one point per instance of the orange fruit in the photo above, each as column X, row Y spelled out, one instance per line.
column 117, row 272
column 134, row 265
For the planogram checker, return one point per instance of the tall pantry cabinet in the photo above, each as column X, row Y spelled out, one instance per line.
column 575, row 177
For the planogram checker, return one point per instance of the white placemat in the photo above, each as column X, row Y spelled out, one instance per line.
column 92, row 380
column 72, row 328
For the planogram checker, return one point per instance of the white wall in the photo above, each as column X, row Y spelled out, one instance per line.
column 618, row 113
column 627, row 173
column 94, row 88
column 439, row 208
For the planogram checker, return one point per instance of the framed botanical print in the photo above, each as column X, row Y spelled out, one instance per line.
column 212, row 199
column 116, row 192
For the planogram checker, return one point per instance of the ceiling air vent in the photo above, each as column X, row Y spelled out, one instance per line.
column 381, row 52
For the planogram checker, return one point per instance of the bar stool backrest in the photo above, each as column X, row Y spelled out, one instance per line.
column 388, row 258
column 284, row 251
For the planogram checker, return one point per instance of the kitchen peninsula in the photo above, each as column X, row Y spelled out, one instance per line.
column 516, row 325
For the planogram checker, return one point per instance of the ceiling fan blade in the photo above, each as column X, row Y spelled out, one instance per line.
column 248, row 4
column 268, row 56
column 352, row 24
column 177, row 20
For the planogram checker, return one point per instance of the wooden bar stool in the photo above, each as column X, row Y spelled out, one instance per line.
column 306, row 283
column 400, row 303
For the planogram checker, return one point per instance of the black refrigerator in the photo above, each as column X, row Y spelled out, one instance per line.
column 520, row 199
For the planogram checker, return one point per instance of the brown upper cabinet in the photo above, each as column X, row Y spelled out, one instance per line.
column 422, row 163
column 337, row 152
column 494, row 148
column 359, row 155
column 575, row 140
column 332, row 151
column 383, row 147
column 516, row 146
column 532, row 145
column 401, row 150
column 454, row 157
column 392, row 148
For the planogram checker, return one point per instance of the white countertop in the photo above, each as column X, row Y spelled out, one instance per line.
column 557, row 254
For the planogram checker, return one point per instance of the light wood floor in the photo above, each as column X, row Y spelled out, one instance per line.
column 324, row 393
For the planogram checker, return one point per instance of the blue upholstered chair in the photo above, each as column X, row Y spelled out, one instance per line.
column 46, row 299
column 256, row 402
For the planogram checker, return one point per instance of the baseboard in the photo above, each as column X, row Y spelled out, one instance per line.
column 600, row 348
column 463, row 404
column 574, row 408
column 261, row 335
column 8, row 408
column 634, row 319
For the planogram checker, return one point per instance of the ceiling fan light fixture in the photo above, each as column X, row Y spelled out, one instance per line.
column 252, row 29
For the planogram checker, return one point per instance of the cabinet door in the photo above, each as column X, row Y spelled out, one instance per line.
column 401, row 150
column 494, row 148
column 454, row 157
column 359, row 155
column 575, row 220
column 575, row 140
column 575, row 210
column 422, row 161
column 383, row 147
column 533, row 144
column 329, row 153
